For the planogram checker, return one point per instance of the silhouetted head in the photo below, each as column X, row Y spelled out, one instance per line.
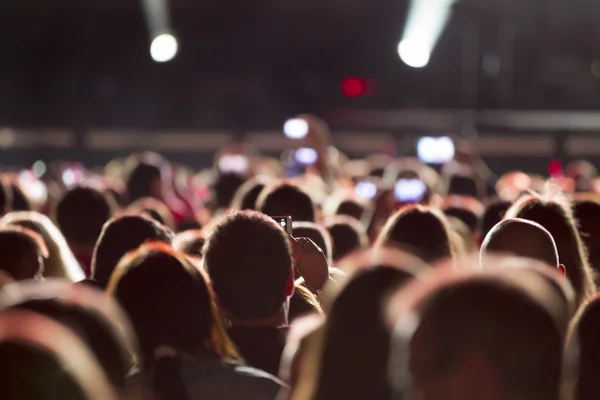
column 493, row 213
column 347, row 235
column 246, row 196
column 287, row 199
column 22, row 253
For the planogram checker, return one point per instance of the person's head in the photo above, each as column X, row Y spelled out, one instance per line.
column 95, row 318
column 492, row 214
column 44, row 360
column 121, row 235
column 468, row 217
column 423, row 231
column 246, row 196
column 347, row 235
column 190, row 242
column 556, row 216
column 523, row 238
column 318, row 234
column 286, row 199
column 476, row 337
column 61, row 263
column 81, row 213
column 464, row 185
column 586, row 214
column 248, row 257
column 582, row 355
column 170, row 305
column 156, row 209
column 22, row 253
column 144, row 179
column 356, row 339
column 224, row 187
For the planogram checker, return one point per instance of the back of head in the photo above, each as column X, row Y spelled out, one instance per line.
column 287, row 199
column 348, row 236
column 96, row 319
column 224, row 188
column 22, row 253
column 190, row 242
column 468, row 217
column 493, row 213
column 556, row 216
column 143, row 180
column 248, row 258
column 582, row 346
column 420, row 230
column 351, row 208
column 81, row 213
column 118, row 237
column 166, row 298
column 246, row 196
column 521, row 238
column 20, row 201
column 156, row 209
column 41, row 359
column 464, row 185
column 356, row 338
column 317, row 234
column 470, row 329
column 587, row 214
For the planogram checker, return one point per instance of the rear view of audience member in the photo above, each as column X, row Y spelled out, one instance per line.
column 492, row 214
column 249, row 260
column 246, row 196
column 119, row 236
column 224, row 188
column 423, row 231
column 523, row 238
column 587, row 214
column 471, row 344
column 556, row 216
column 186, row 352
column 61, row 263
column 287, row 199
column 96, row 319
column 582, row 352
column 348, row 236
column 80, row 214
column 43, row 360
column 156, row 209
column 22, row 253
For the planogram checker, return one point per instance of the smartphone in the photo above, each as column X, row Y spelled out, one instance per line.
column 234, row 163
column 295, row 128
column 410, row 190
column 306, row 156
column 285, row 223
column 435, row 150
column 366, row 190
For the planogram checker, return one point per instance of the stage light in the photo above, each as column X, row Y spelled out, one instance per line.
column 296, row 128
column 426, row 19
column 163, row 47
column 353, row 87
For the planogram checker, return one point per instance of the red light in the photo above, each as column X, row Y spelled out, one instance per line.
column 353, row 87
column 555, row 168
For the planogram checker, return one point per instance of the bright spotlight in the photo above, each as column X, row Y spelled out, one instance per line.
column 296, row 128
column 163, row 47
column 413, row 53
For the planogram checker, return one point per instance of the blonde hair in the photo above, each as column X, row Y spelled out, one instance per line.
column 61, row 263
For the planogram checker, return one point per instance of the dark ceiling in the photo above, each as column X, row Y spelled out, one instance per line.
column 248, row 63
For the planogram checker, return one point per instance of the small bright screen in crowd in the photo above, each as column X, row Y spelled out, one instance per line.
column 295, row 128
column 410, row 190
column 306, row 156
column 69, row 178
column 435, row 150
column 366, row 190
column 236, row 164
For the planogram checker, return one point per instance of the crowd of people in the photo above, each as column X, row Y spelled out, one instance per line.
column 272, row 279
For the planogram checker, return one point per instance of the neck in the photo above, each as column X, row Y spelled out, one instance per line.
column 278, row 319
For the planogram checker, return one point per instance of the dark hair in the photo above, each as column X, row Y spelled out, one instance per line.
column 493, row 213
column 21, row 252
column 351, row 208
column 224, row 188
column 287, row 199
column 121, row 235
column 468, row 217
column 556, row 216
column 155, row 209
column 522, row 238
column 98, row 322
column 20, row 201
column 464, row 185
column 317, row 234
column 246, row 196
column 190, row 242
column 248, row 258
column 81, row 213
column 347, row 235
column 478, row 313
column 356, row 338
column 583, row 346
column 141, row 179
column 422, row 231
column 587, row 214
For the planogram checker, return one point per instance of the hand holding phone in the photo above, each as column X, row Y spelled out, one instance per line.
column 285, row 223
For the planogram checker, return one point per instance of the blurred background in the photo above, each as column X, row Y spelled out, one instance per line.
column 520, row 79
